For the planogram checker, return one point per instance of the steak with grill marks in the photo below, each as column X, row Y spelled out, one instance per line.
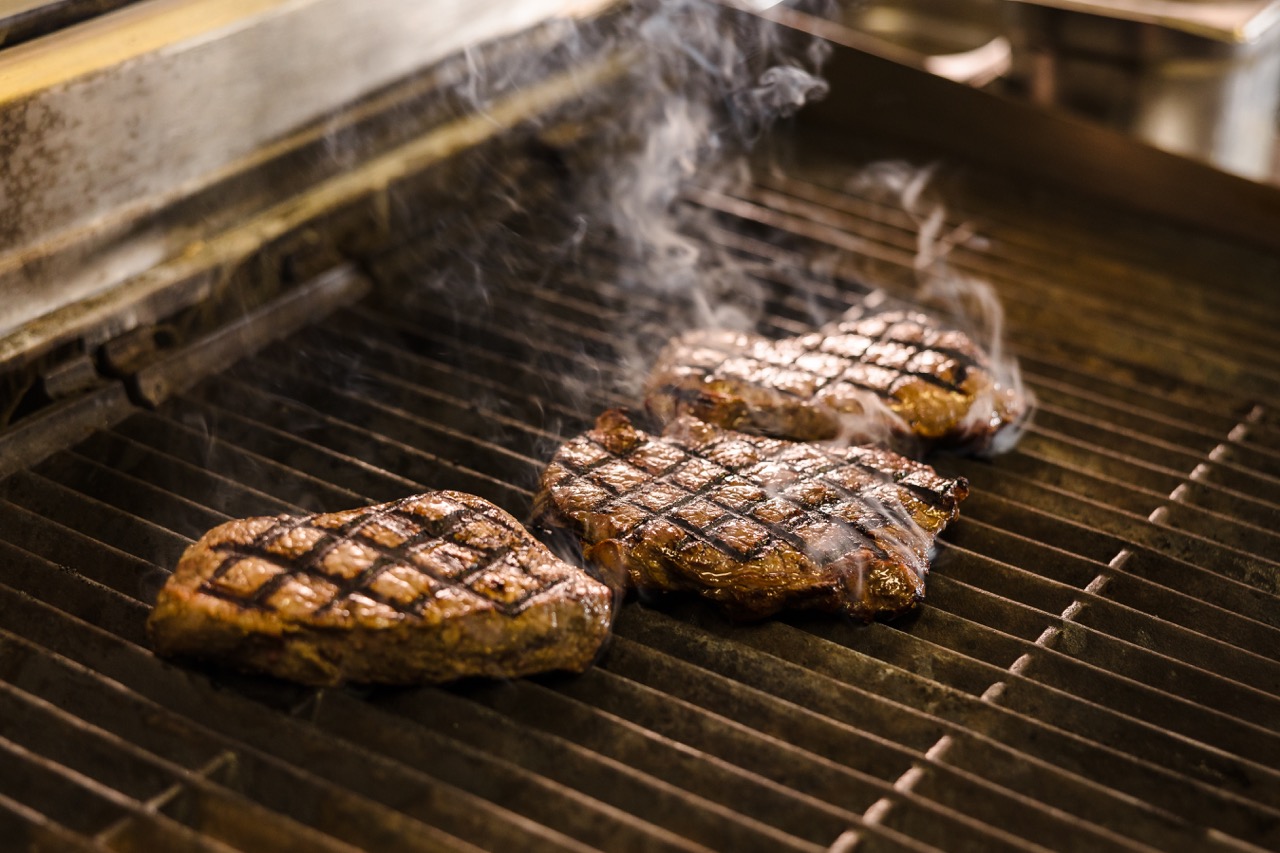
column 426, row 589
column 937, row 383
column 755, row 524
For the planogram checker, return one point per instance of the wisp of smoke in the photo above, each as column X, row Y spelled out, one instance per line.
column 703, row 83
column 968, row 303
column 706, row 83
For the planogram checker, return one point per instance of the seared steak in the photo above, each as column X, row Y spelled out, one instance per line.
column 425, row 589
column 935, row 383
column 754, row 524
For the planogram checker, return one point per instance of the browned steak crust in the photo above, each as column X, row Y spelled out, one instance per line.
column 426, row 589
column 936, row 382
column 754, row 524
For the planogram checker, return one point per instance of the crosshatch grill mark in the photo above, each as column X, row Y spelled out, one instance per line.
column 964, row 362
column 428, row 530
column 858, row 535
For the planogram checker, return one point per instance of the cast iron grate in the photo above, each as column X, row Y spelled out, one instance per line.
column 1097, row 665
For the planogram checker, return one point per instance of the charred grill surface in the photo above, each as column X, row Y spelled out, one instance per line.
column 426, row 589
column 756, row 525
column 858, row 379
column 1097, row 668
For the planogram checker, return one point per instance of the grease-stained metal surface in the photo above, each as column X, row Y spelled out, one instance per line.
column 1097, row 665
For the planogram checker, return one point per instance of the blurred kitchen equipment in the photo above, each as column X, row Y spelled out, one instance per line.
column 1196, row 78
column 962, row 40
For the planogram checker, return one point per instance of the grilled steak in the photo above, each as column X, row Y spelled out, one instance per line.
column 754, row 524
column 936, row 383
column 425, row 589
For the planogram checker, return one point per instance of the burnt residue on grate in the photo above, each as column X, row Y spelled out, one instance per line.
column 1096, row 665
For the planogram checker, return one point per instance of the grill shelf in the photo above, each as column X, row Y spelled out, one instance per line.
column 1097, row 666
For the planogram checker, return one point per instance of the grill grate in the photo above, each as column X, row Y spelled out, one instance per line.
column 1097, row 664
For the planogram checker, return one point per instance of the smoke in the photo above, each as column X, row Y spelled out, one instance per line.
column 939, row 286
column 592, row 202
column 700, row 84
column 709, row 81
column 705, row 83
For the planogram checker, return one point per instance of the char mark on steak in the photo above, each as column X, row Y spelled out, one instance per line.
column 931, row 382
column 426, row 589
column 755, row 524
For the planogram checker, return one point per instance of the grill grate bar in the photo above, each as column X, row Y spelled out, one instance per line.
column 1154, row 566
column 29, row 828
column 904, row 784
column 796, row 727
column 94, row 518
column 96, row 561
column 804, row 650
column 1042, row 348
column 1129, row 526
column 599, row 715
column 1050, row 448
column 1184, row 542
column 1070, row 253
column 1115, row 711
column 762, row 677
column 216, row 767
column 513, row 364
column 140, row 499
column 272, row 782
column 705, row 778
column 67, row 797
column 1051, row 635
column 1118, row 477
column 315, row 460
column 1205, row 364
column 1097, row 664
column 676, row 813
column 152, row 785
column 1121, row 499
column 136, row 639
column 349, row 438
column 1085, row 425
column 190, row 482
column 1109, row 393
column 580, row 815
column 83, row 598
column 169, row 435
column 1141, row 440
column 1038, row 352
column 1188, row 456
column 1111, row 673
column 82, row 804
column 608, row 691
column 1048, row 388
column 457, row 383
column 347, row 764
column 1247, row 343
column 378, row 385
column 1204, row 651
column 388, row 404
